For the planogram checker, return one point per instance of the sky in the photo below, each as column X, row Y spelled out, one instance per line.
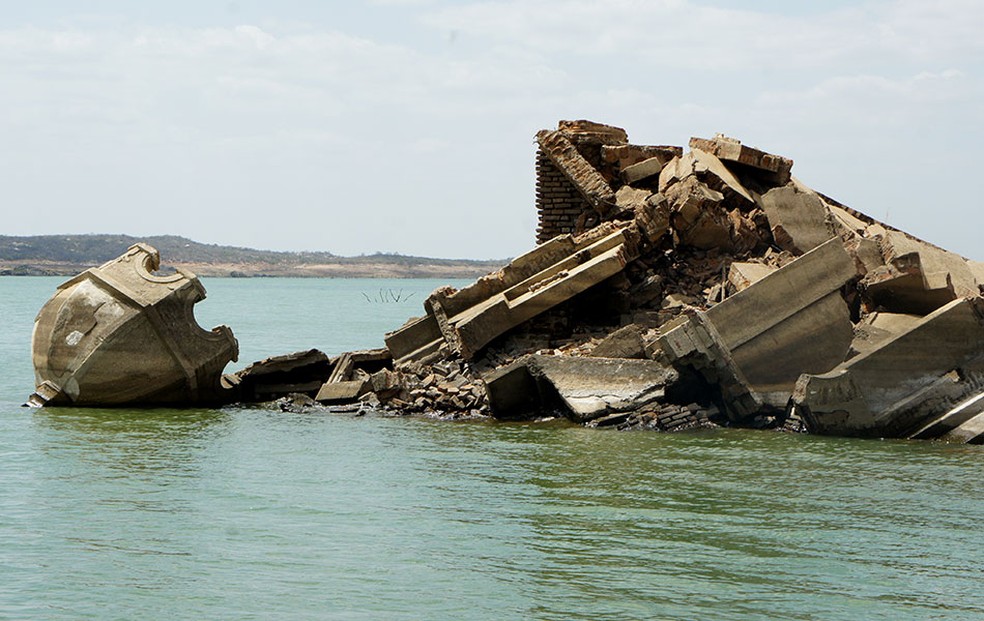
column 408, row 126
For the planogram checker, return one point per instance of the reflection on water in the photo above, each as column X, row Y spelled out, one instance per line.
column 255, row 513
column 130, row 440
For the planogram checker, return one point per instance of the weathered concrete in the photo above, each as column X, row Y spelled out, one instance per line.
column 799, row 220
column 970, row 431
column 708, row 170
column 901, row 386
column 368, row 360
column 467, row 323
column 715, row 174
column 933, row 260
column 876, row 329
column 469, row 332
column 277, row 376
column 646, row 169
column 693, row 342
column 792, row 321
column 698, row 217
column 731, row 150
column 743, row 275
column 626, row 342
column 581, row 388
column 122, row 311
column 625, row 155
column 904, row 286
column 962, row 423
column 341, row 393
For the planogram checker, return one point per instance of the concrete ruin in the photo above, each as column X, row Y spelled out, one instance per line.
column 119, row 334
column 670, row 289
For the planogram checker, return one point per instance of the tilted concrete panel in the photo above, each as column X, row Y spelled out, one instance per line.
column 901, row 386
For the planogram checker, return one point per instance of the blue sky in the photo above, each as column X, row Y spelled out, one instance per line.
column 407, row 125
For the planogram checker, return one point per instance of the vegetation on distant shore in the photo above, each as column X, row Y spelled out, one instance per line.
column 66, row 255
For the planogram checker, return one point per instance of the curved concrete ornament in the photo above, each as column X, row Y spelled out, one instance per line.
column 118, row 334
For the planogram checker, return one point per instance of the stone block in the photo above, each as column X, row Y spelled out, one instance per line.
column 643, row 170
column 743, row 275
column 799, row 220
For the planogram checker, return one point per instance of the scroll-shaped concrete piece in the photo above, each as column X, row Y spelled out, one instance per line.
column 119, row 334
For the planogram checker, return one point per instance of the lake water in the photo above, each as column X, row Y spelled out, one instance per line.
column 251, row 513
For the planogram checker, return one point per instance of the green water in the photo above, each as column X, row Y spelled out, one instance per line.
column 247, row 513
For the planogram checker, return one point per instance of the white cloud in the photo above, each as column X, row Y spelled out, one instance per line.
column 365, row 141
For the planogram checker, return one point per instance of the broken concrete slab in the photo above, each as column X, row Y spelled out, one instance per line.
column 970, row 431
column 904, row 287
column 275, row 377
column 123, row 311
column 933, row 260
column 646, row 169
column 732, row 150
column 468, row 332
column 596, row 256
column 710, row 171
column 962, row 423
column 581, row 388
column 900, row 387
column 367, row 360
column 625, row 155
column 758, row 341
column 791, row 320
column 341, row 393
column 799, row 220
column 875, row 329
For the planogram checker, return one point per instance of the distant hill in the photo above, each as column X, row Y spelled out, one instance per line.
column 66, row 255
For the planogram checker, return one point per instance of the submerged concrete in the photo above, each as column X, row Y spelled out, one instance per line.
column 120, row 334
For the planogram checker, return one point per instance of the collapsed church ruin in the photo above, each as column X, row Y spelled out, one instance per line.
column 670, row 288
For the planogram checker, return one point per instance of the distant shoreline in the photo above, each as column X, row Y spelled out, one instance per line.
column 366, row 270
column 68, row 255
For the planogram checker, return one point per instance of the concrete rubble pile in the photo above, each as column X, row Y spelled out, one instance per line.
column 676, row 289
